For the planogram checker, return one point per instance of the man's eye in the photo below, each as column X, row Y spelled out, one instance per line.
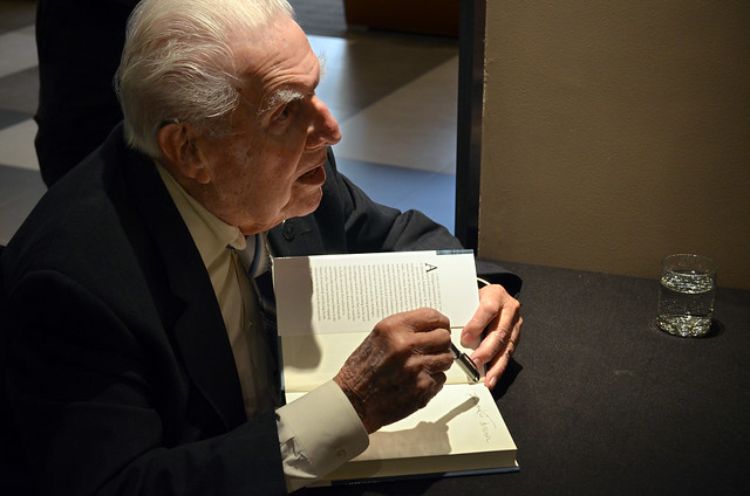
column 285, row 112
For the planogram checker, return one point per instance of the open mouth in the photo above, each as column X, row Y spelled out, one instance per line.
column 315, row 176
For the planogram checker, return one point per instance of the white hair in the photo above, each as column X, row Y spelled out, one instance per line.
column 178, row 63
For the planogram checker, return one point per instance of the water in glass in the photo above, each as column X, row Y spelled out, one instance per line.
column 686, row 302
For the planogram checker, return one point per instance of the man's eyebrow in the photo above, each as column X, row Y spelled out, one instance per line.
column 280, row 97
column 287, row 95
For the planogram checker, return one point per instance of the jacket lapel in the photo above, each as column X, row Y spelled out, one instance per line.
column 198, row 328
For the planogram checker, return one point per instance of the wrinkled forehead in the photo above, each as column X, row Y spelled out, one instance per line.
column 278, row 57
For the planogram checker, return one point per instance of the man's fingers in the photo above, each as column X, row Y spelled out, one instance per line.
column 496, row 341
column 493, row 300
column 484, row 315
column 429, row 386
column 437, row 363
column 499, row 363
column 421, row 331
column 434, row 341
column 419, row 320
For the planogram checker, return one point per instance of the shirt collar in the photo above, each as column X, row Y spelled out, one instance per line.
column 210, row 234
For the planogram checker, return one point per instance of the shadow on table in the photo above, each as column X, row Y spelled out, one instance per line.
column 506, row 380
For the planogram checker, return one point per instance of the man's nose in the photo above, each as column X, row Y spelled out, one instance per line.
column 324, row 129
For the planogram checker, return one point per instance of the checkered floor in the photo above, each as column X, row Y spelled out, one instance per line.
column 394, row 95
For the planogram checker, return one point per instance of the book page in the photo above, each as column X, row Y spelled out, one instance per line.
column 328, row 304
column 461, row 421
column 351, row 293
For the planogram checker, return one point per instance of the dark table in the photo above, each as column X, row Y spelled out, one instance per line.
column 601, row 402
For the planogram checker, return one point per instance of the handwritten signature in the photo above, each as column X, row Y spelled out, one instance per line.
column 486, row 424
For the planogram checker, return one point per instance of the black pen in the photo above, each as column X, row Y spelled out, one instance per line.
column 466, row 364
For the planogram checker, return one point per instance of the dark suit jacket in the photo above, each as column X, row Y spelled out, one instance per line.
column 120, row 373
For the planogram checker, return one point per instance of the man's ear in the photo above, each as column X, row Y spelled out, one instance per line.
column 179, row 148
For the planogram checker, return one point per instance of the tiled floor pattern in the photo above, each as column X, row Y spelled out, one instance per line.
column 395, row 97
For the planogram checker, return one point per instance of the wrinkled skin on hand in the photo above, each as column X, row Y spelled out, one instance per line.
column 494, row 331
column 398, row 368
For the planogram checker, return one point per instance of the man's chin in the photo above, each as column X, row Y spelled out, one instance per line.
column 306, row 203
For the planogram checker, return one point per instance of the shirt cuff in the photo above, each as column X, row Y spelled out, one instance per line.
column 318, row 433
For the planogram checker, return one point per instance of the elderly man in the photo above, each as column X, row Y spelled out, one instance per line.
column 142, row 354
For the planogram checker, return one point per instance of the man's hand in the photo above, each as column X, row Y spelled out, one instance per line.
column 499, row 319
column 398, row 368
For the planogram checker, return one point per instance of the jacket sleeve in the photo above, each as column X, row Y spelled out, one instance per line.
column 91, row 392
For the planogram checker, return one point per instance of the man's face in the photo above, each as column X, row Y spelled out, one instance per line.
column 270, row 166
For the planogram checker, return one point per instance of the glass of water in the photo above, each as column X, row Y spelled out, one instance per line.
column 686, row 295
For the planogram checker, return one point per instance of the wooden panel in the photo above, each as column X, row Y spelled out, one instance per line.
column 616, row 133
column 435, row 17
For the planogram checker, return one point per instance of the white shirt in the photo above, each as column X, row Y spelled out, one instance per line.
column 318, row 432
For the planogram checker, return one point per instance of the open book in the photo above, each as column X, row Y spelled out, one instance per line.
column 328, row 304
